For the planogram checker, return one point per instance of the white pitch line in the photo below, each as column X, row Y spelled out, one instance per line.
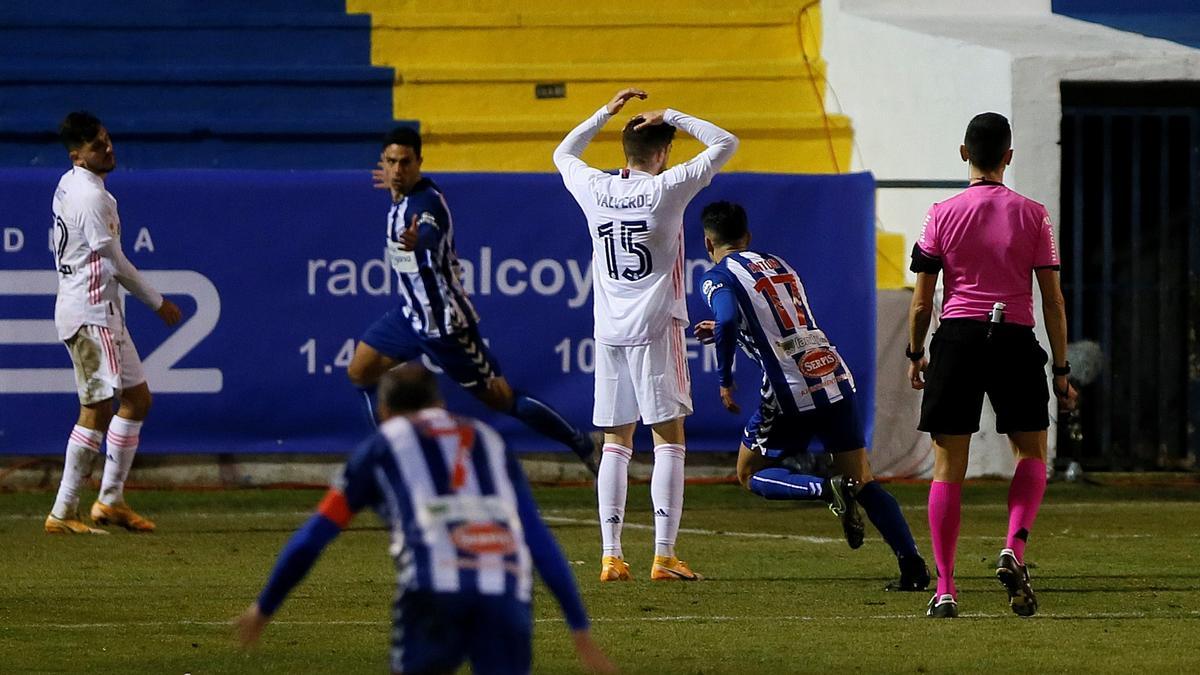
column 562, row 520
column 689, row 618
column 549, row 517
column 709, row 533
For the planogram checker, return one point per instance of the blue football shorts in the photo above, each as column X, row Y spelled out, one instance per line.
column 774, row 433
column 438, row 632
column 463, row 356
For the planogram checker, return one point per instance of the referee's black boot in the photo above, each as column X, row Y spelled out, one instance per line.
column 1015, row 578
column 942, row 607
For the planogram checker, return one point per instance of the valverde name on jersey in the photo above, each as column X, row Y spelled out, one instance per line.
column 639, row 201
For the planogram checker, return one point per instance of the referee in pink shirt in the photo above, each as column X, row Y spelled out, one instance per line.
column 990, row 242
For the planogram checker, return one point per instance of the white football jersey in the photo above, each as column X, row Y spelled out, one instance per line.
column 636, row 223
column 88, row 256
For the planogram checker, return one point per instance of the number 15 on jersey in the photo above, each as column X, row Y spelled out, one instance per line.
column 626, row 231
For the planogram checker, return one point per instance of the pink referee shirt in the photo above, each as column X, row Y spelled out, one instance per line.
column 989, row 240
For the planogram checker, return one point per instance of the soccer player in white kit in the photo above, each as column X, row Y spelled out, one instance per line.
column 635, row 217
column 90, row 320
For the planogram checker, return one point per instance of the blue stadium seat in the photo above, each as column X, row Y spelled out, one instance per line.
column 208, row 82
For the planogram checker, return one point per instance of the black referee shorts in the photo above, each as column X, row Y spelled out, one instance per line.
column 965, row 364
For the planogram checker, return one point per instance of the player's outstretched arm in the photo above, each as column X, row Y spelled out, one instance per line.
column 567, row 156
column 294, row 562
column 554, row 570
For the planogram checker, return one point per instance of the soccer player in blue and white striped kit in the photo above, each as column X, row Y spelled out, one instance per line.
column 435, row 317
column 465, row 535
column 807, row 390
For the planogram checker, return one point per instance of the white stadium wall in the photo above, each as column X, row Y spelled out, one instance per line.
column 911, row 75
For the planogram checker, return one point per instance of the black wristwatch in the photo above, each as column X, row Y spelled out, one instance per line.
column 1059, row 372
column 914, row 356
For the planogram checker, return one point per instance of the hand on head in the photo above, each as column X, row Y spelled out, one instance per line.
column 622, row 97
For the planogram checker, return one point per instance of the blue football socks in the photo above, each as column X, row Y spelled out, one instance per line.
column 885, row 515
column 367, row 394
column 779, row 483
column 546, row 421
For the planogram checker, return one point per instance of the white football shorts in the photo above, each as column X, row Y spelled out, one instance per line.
column 649, row 381
column 105, row 360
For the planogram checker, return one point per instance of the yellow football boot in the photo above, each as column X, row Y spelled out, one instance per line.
column 613, row 568
column 670, row 568
column 121, row 516
column 69, row 525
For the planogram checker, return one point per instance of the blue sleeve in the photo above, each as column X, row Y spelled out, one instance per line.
column 725, row 312
column 357, row 481
column 547, row 557
column 433, row 223
column 296, row 559
column 723, row 302
column 358, row 490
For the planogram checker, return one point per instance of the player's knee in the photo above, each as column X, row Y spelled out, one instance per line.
column 135, row 405
column 359, row 375
column 96, row 416
column 744, row 473
column 498, row 396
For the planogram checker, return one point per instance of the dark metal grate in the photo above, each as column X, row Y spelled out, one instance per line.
column 1130, row 241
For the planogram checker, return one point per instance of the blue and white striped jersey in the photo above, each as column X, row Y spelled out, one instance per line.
column 762, row 298
column 446, row 487
column 431, row 290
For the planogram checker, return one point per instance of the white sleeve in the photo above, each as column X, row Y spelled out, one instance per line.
column 93, row 221
column 574, row 170
column 697, row 172
column 131, row 278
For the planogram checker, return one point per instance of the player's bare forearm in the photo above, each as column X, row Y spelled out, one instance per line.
column 250, row 625
column 593, row 660
column 920, row 312
column 1054, row 313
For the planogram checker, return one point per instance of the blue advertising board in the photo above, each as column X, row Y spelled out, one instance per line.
column 278, row 273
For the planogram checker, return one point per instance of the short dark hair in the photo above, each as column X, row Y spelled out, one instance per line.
column 988, row 138
column 78, row 129
column 725, row 222
column 408, row 388
column 406, row 136
column 641, row 144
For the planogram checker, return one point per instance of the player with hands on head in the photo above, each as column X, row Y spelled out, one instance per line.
column 807, row 392
column 465, row 536
column 635, row 219
column 90, row 317
column 991, row 243
column 435, row 316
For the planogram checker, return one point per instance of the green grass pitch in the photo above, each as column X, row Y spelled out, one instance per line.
column 1118, row 581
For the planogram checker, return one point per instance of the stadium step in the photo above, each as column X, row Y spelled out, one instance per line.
column 497, row 84
column 513, row 6
column 698, row 35
column 194, row 39
column 97, row 13
column 770, row 142
column 710, row 89
column 263, row 92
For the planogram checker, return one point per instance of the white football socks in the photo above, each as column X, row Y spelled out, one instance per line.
column 666, row 492
column 123, row 436
column 82, row 446
column 612, row 484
